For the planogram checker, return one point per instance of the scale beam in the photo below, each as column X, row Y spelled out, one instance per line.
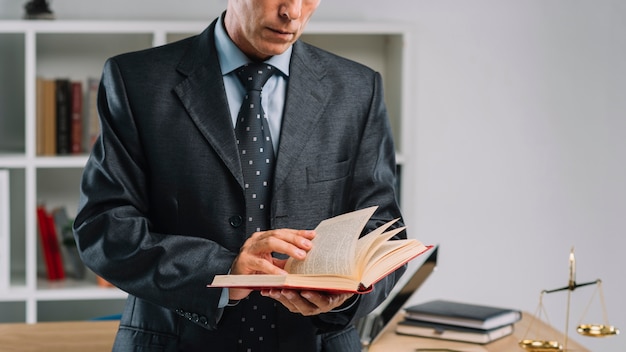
column 572, row 287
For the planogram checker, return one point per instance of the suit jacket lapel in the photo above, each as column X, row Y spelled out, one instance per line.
column 204, row 97
column 306, row 99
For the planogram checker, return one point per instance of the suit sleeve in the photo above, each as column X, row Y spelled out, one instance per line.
column 114, row 231
column 374, row 181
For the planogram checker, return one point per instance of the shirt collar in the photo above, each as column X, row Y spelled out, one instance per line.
column 231, row 57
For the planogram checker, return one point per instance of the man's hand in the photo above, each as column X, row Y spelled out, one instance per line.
column 307, row 302
column 255, row 256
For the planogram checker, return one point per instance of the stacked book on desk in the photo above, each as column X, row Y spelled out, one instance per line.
column 458, row 321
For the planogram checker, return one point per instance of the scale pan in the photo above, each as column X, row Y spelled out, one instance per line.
column 540, row 345
column 597, row 330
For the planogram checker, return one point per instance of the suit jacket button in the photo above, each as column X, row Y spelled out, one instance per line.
column 235, row 221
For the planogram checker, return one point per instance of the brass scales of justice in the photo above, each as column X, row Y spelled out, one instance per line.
column 590, row 330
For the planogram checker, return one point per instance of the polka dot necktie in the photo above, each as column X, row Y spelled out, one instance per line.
column 255, row 146
column 258, row 329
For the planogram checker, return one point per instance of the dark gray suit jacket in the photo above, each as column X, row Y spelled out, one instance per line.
column 162, row 200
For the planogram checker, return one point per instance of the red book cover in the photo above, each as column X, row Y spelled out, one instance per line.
column 50, row 245
column 76, row 135
column 57, row 260
column 45, row 247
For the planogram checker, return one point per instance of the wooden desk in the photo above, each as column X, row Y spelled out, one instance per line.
column 91, row 336
column 390, row 341
column 96, row 336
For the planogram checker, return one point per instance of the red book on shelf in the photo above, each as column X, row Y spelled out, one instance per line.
column 42, row 221
column 50, row 245
column 57, row 260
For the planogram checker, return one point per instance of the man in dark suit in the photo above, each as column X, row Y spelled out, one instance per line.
column 162, row 207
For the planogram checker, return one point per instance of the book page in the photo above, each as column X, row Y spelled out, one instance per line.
column 374, row 246
column 334, row 246
column 370, row 242
column 390, row 255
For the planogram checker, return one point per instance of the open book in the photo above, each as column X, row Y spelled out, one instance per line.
column 339, row 261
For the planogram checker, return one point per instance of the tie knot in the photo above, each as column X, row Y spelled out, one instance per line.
column 254, row 75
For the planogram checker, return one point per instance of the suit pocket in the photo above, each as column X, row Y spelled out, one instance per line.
column 323, row 172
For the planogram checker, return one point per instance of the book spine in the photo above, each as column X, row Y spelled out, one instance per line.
column 5, row 230
column 44, row 235
column 69, row 249
column 77, row 117
column 49, row 117
column 40, row 114
column 55, row 249
column 63, row 116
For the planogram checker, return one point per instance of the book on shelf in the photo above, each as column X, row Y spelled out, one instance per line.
column 5, row 230
column 76, row 124
column 39, row 116
column 463, row 314
column 69, row 249
column 50, row 245
column 63, row 115
column 46, row 134
column 340, row 260
column 452, row 332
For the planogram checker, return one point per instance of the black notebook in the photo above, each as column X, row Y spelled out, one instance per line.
column 452, row 332
column 463, row 314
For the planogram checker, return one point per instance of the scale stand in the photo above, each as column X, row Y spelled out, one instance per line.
column 591, row 330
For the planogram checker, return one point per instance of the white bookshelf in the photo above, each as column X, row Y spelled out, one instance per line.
column 77, row 50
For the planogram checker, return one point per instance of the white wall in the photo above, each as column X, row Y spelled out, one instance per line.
column 520, row 128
